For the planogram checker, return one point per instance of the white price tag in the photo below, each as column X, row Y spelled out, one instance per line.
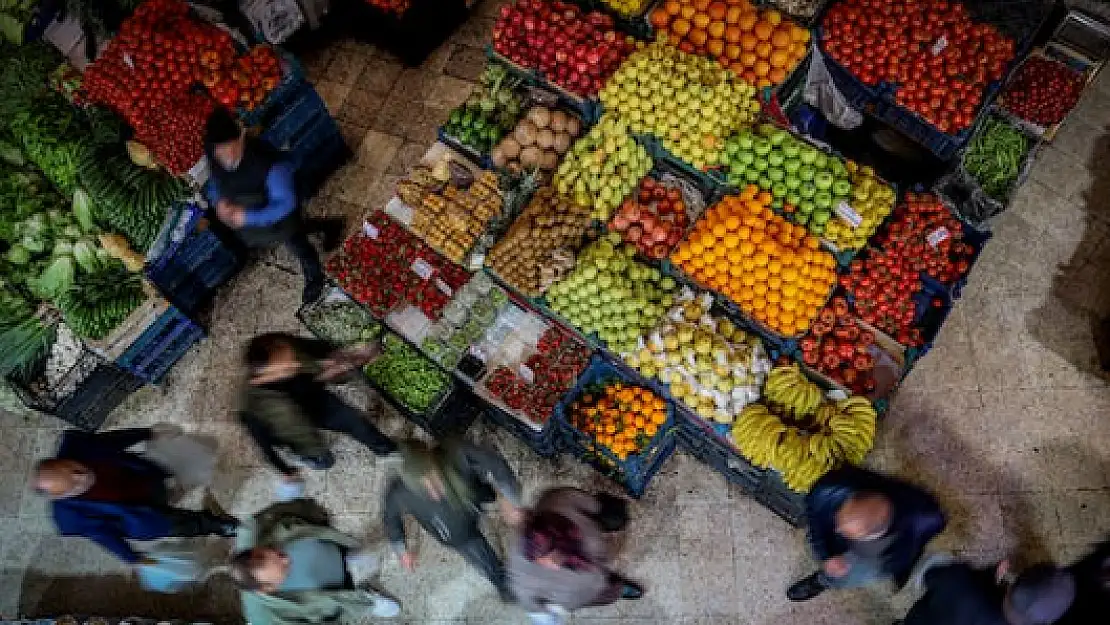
column 935, row 237
column 422, row 268
column 939, row 45
column 444, row 287
column 848, row 214
column 837, row 394
column 526, row 373
column 127, row 60
column 477, row 260
column 370, row 230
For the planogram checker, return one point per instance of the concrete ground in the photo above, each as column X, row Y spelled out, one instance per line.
column 1005, row 419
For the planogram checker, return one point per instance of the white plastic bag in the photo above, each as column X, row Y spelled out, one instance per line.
column 191, row 460
column 821, row 92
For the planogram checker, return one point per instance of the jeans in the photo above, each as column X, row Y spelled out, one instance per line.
column 186, row 523
column 336, row 415
column 306, row 255
column 861, row 572
column 479, row 554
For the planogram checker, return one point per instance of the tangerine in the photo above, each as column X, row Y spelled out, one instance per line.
column 763, row 30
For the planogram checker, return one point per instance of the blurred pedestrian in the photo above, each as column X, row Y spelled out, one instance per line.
column 1092, row 588
column 104, row 491
column 293, row 568
column 864, row 527
column 957, row 594
column 286, row 402
column 253, row 190
column 560, row 561
column 443, row 487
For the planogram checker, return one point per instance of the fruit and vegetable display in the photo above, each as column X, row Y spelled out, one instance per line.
column 575, row 49
column 1042, row 91
column 939, row 61
column 760, row 45
column 872, row 200
column 690, row 103
column 450, row 212
column 622, row 418
column 101, row 300
column 705, row 360
column 385, row 266
column 465, row 320
column 803, row 181
column 603, row 167
column 923, row 237
column 657, row 215
column 799, row 433
column 407, row 376
column 805, row 9
column 489, row 113
column 772, row 269
column 533, row 385
column 340, row 321
column 539, row 247
column 612, row 294
column 538, row 141
column 840, row 348
column 149, row 71
column 996, row 155
column 15, row 15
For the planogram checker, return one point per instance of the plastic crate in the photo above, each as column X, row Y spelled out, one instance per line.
column 588, row 108
column 546, row 441
column 704, row 442
column 160, row 345
column 293, row 82
column 1035, row 144
column 944, row 146
column 453, row 415
column 774, row 495
column 858, row 95
column 636, row 471
column 304, row 109
column 193, row 262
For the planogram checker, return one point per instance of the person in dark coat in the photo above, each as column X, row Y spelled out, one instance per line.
column 443, row 489
column 286, row 402
column 253, row 190
column 957, row 594
column 102, row 491
column 864, row 527
column 1092, row 588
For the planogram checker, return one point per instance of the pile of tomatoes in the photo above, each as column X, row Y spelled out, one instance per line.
column 938, row 59
column 838, row 347
column 1043, row 91
column 149, row 70
column 923, row 238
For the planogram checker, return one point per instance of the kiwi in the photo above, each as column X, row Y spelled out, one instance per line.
column 558, row 121
column 498, row 157
column 573, row 126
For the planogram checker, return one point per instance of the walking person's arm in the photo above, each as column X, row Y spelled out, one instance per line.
column 393, row 517
column 265, row 441
column 282, row 195
column 124, row 438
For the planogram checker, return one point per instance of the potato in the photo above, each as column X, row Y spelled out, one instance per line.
column 562, row 142
column 511, row 148
column 558, row 121
column 526, row 132
column 549, row 160
column 573, row 126
column 540, row 116
column 530, row 157
column 545, row 138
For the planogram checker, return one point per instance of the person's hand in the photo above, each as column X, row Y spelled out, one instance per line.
column 836, row 566
column 366, row 352
column 231, row 214
column 1003, row 572
column 408, row 560
column 512, row 514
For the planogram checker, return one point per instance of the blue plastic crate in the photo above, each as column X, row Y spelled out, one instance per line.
column 944, row 146
column 857, row 94
column 193, row 263
column 293, row 81
column 305, row 109
column 160, row 345
column 546, row 442
column 636, row 471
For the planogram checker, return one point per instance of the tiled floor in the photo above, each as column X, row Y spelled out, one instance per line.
column 1005, row 419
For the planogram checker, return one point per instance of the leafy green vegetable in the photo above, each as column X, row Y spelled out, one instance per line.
column 99, row 302
column 995, row 157
column 57, row 279
column 83, row 210
column 85, row 254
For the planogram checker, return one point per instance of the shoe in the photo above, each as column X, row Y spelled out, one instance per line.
column 384, row 607
column 228, row 526
column 312, row 291
column 362, row 565
column 631, row 591
column 806, row 589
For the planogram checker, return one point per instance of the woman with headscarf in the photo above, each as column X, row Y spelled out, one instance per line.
column 560, row 560
column 443, row 488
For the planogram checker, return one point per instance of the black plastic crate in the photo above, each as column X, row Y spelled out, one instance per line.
column 85, row 402
column 776, row 497
column 718, row 454
column 193, row 261
column 546, row 441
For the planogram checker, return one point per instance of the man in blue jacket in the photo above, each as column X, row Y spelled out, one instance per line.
column 108, row 494
column 253, row 191
column 864, row 527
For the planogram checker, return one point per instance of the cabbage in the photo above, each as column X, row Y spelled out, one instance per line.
column 18, row 255
column 57, row 278
column 34, row 243
column 85, row 254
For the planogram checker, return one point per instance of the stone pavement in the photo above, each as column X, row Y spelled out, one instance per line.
column 1006, row 418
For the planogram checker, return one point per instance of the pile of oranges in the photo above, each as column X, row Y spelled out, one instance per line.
column 773, row 269
column 620, row 417
column 759, row 45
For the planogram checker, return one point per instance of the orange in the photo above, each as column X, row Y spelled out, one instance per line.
column 748, row 43
column 778, row 59
column 789, row 303
column 736, row 269
column 747, row 248
column 773, row 296
column 698, row 37
column 750, row 192
column 717, row 10
column 733, row 15
column 798, row 34
column 761, row 259
column 781, row 38
column 773, row 17
column 707, row 241
column 790, row 276
column 765, row 198
column 748, row 279
column 761, row 274
column 748, row 59
column 716, row 29
column 672, row 7
column 757, row 237
column 701, row 20
column 660, row 18
column 762, row 30
column 774, row 282
column 697, row 263
column 719, row 230
column 732, row 222
column 680, row 27
column 732, row 51
column 695, row 248
column 748, row 21
column 731, row 241
column 775, row 266
column 702, row 5
column 686, row 47
column 763, row 50
column 687, row 11
column 744, row 232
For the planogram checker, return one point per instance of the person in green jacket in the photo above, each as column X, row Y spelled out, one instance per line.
column 293, row 568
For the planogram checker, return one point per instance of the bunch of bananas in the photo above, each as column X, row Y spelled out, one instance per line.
column 788, row 387
column 805, row 438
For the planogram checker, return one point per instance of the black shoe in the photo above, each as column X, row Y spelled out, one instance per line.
column 312, row 291
column 631, row 591
column 806, row 589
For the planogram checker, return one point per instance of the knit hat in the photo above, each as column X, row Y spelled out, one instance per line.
column 1040, row 596
column 548, row 532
